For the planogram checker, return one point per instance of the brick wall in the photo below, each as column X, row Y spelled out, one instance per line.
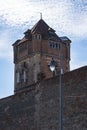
column 38, row 108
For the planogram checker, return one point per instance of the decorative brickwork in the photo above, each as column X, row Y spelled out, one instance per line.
column 37, row 108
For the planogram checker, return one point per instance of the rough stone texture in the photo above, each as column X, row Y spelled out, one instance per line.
column 38, row 108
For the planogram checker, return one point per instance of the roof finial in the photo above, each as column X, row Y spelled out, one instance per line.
column 40, row 15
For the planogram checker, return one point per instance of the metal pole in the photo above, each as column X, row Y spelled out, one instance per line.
column 60, row 80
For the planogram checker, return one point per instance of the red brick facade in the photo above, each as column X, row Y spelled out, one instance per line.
column 33, row 53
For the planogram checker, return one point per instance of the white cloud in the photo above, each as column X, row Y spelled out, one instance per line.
column 66, row 15
column 15, row 12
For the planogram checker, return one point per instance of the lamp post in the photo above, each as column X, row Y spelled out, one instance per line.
column 52, row 68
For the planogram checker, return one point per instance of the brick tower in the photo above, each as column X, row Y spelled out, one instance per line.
column 33, row 53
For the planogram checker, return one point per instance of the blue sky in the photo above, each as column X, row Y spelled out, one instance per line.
column 67, row 17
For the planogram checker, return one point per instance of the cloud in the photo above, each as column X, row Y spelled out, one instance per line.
column 14, row 12
column 64, row 15
column 67, row 17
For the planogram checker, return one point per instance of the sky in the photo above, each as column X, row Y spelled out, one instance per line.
column 67, row 17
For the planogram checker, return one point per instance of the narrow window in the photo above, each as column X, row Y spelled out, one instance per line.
column 25, row 76
column 18, row 77
column 56, row 45
column 53, row 45
column 34, row 37
column 50, row 44
column 38, row 37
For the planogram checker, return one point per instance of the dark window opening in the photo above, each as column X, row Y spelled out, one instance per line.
column 54, row 45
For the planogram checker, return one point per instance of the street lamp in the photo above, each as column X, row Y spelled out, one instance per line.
column 52, row 68
column 52, row 65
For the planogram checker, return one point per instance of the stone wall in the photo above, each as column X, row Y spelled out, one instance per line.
column 37, row 108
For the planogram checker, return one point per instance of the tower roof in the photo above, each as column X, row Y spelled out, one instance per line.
column 41, row 27
column 65, row 39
